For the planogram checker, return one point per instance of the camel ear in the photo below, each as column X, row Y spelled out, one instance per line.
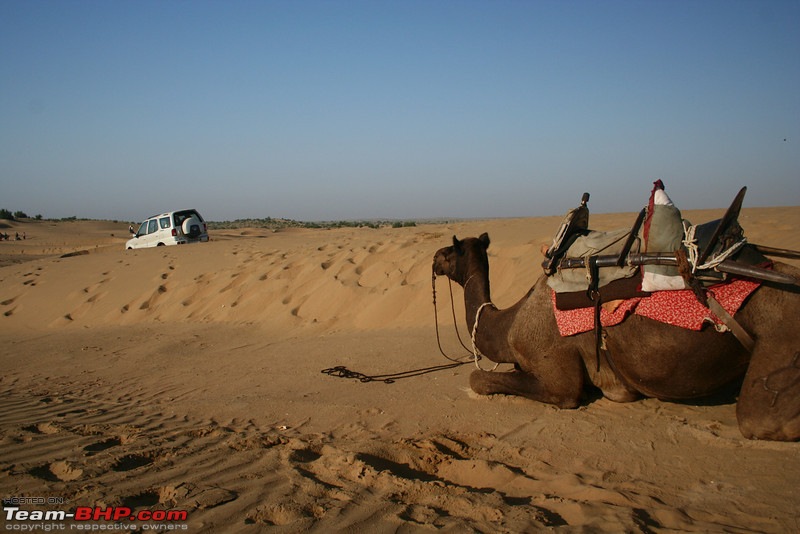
column 456, row 245
column 484, row 238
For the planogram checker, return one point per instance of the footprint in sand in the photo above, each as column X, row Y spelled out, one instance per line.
column 64, row 471
column 130, row 462
column 101, row 446
column 146, row 499
column 149, row 302
column 172, row 495
column 93, row 287
column 211, row 497
column 236, row 281
column 43, row 428
column 57, row 471
column 280, row 514
column 304, row 456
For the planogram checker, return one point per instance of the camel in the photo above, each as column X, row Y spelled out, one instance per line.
column 645, row 358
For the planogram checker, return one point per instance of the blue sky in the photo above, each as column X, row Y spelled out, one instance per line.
column 325, row 110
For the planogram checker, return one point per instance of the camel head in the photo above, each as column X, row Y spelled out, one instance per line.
column 464, row 258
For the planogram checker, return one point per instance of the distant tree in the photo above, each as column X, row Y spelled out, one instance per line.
column 20, row 215
column 38, row 217
column 5, row 214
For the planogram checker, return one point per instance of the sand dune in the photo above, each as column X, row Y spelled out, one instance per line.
column 190, row 378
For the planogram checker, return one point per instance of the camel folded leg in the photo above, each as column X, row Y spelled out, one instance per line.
column 525, row 385
column 769, row 403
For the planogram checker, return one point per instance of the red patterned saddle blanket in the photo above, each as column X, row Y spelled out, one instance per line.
column 678, row 308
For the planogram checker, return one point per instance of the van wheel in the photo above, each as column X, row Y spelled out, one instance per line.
column 160, row 245
column 192, row 227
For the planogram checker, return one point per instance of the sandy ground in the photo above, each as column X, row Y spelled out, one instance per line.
column 189, row 378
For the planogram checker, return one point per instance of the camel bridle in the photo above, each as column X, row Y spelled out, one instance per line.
column 436, row 319
column 474, row 354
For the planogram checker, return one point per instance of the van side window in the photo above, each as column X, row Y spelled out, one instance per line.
column 142, row 229
column 164, row 222
column 153, row 226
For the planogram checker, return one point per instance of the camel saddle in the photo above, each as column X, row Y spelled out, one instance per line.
column 585, row 266
column 610, row 266
column 574, row 245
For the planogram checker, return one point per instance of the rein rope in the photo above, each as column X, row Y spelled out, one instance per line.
column 343, row 372
column 475, row 354
column 455, row 321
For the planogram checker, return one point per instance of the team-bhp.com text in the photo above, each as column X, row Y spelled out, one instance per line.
column 92, row 518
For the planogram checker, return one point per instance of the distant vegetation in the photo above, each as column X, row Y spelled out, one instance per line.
column 280, row 224
column 269, row 222
column 17, row 215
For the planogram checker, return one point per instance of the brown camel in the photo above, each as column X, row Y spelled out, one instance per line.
column 645, row 357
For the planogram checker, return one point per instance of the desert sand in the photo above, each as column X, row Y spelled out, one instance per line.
column 190, row 378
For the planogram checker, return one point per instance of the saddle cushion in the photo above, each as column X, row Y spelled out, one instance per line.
column 678, row 308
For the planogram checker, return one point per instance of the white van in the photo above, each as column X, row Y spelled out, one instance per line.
column 171, row 228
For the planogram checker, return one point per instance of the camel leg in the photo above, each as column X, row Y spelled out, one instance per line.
column 769, row 403
column 525, row 385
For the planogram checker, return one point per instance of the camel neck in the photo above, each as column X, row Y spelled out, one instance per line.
column 476, row 293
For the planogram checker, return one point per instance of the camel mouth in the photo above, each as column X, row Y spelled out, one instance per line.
column 440, row 261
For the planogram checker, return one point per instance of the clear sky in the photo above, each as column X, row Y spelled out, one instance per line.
column 345, row 109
